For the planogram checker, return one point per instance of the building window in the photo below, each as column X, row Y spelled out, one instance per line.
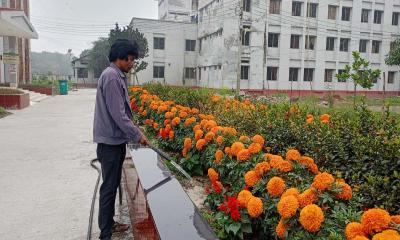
column 273, row 40
column 159, row 43
column 296, row 9
column 332, row 12
column 308, row 74
column 3, row 3
column 346, row 13
column 244, row 72
column 392, row 45
column 312, row 10
column 275, row 7
column 340, row 71
column 365, row 15
column 190, row 73
column 344, row 44
column 376, row 45
column 200, row 73
column 295, row 41
column 246, row 36
column 395, row 18
column 391, row 77
column 330, row 44
column 293, row 74
column 310, row 42
column 190, row 45
column 82, row 73
column 272, row 73
column 378, row 17
column 363, row 46
column 158, row 71
column 247, row 5
column 329, row 75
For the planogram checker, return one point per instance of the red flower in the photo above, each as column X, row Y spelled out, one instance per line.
column 217, row 186
column 223, row 208
column 234, row 208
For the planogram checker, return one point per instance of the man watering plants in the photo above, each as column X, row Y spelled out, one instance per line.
column 113, row 129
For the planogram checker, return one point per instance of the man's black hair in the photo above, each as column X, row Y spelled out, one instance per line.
column 121, row 49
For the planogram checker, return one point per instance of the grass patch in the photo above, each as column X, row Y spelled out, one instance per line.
column 3, row 112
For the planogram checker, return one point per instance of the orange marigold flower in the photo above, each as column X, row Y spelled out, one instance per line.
column 243, row 155
column 258, row 139
column 284, row 166
column 220, row 140
column 144, row 113
column 275, row 160
column 198, row 134
column 287, row 206
column 395, row 219
column 195, row 111
column 236, row 147
column 251, row 178
column 200, row 144
column 244, row 138
column 291, row 192
column 255, row 207
column 187, row 143
column 174, row 110
column 276, row 186
column 360, row 238
column 215, row 98
column 184, row 152
column 346, row 193
column 375, row 220
column 169, row 115
column 212, row 175
column 227, row 151
column 310, row 119
column 387, row 235
column 230, row 130
column 306, row 161
column 325, row 118
column 307, row 197
column 353, row 230
column 196, row 128
column 202, row 116
column 171, row 135
column 323, row 181
column 155, row 126
column 244, row 197
column 281, row 229
column 210, row 124
column 218, row 156
column 314, row 168
column 203, row 123
column 189, row 121
column 262, row 167
column 166, row 122
column 176, row 121
column 209, row 136
column 292, row 155
column 311, row 218
column 255, row 148
column 183, row 114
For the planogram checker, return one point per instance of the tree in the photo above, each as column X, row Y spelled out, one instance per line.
column 360, row 73
column 98, row 55
column 394, row 55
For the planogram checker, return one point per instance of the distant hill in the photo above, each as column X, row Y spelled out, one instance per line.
column 56, row 63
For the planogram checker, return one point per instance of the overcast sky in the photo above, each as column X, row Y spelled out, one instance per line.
column 75, row 24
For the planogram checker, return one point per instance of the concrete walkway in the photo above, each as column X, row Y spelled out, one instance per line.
column 46, row 182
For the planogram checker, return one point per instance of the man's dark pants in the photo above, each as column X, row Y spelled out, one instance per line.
column 111, row 158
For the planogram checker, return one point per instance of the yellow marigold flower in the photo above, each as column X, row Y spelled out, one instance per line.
column 375, row 220
column 325, row 118
column 311, row 218
column 209, row 136
column 198, row 134
column 307, row 197
column 218, row 156
column 346, row 193
column 236, row 147
column 291, row 192
column 227, row 151
column 244, row 197
column 360, row 238
column 255, row 207
column 187, row 143
column 171, row 135
column 255, row 148
column 292, row 155
column 196, row 128
column 387, row 235
column 281, row 229
column 220, row 140
column 183, row 114
column 395, row 219
column 275, row 160
column 212, row 175
column 244, row 138
column 276, row 186
column 284, row 166
column 262, row 167
column 353, row 230
column 251, row 178
column 243, row 155
column 287, row 206
column 200, row 144
column 323, row 181
column 258, row 139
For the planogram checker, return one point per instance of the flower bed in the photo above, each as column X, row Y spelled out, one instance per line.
column 255, row 194
column 13, row 98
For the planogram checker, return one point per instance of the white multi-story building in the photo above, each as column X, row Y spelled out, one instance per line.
column 287, row 44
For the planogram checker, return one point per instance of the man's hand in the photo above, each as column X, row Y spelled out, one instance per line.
column 144, row 141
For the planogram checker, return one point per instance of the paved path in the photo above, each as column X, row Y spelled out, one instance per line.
column 46, row 183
